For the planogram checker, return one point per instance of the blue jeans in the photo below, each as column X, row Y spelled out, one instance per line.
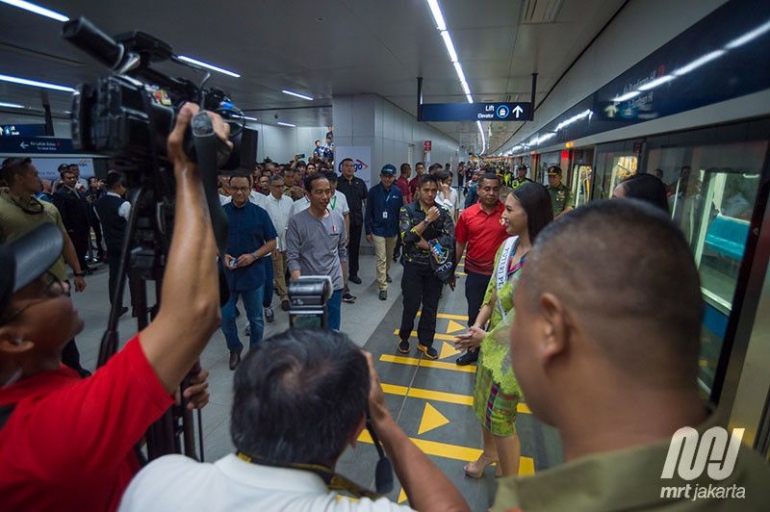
column 252, row 302
column 333, row 307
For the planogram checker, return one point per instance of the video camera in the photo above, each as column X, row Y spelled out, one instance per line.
column 129, row 115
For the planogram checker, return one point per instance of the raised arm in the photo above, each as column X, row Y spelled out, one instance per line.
column 189, row 311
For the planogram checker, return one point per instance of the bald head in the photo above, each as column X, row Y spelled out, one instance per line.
column 616, row 280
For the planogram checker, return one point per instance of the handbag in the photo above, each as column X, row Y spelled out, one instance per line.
column 442, row 261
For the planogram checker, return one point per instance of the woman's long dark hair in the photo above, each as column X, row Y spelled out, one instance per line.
column 536, row 201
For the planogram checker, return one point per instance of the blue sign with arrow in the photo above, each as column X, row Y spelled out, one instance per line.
column 521, row 111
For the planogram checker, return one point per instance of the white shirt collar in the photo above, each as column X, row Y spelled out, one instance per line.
column 267, row 477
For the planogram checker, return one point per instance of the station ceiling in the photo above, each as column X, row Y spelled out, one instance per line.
column 323, row 48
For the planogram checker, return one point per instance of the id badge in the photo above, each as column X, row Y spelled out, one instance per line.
column 384, row 215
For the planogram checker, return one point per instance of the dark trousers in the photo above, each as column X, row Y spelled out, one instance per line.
column 80, row 241
column 70, row 356
column 397, row 250
column 354, row 248
column 267, row 299
column 475, row 288
column 113, row 258
column 420, row 286
column 97, row 227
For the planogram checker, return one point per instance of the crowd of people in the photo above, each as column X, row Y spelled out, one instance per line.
column 603, row 349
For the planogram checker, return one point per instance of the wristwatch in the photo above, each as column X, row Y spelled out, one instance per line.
column 79, row 274
column 256, row 256
column 425, row 221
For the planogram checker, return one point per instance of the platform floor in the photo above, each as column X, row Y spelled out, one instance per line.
column 429, row 399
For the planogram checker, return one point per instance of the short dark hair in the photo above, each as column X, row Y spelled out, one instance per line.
column 246, row 175
column 13, row 167
column 298, row 396
column 114, row 180
column 276, row 178
column 434, row 167
column 490, row 176
column 425, row 178
column 310, row 178
column 331, row 176
column 536, row 202
column 625, row 277
column 419, row 163
column 405, row 167
column 646, row 187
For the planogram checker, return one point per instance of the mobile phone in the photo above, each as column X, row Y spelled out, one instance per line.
column 233, row 263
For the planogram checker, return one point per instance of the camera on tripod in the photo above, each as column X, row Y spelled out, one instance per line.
column 308, row 296
column 129, row 115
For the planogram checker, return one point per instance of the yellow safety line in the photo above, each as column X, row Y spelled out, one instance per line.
column 450, row 317
column 452, row 451
column 425, row 363
column 439, row 396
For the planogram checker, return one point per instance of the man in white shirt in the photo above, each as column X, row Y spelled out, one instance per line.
column 314, row 388
column 279, row 207
column 447, row 195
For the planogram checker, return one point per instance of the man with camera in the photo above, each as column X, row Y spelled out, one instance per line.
column 301, row 398
column 251, row 237
column 68, row 443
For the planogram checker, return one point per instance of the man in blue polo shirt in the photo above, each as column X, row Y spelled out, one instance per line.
column 381, row 222
column 251, row 236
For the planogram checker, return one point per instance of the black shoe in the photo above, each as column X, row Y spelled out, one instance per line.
column 269, row 315
column 235, row 358
column 285, row 305
column 348, row 297
column 403, row 346
column 429, row 352
column 388, row 279
column 354, row 279
column 383, row 294
column 471, row 356
column 396, row 255
column 123, row 310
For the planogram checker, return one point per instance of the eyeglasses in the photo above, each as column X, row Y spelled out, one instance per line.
column 53, row 288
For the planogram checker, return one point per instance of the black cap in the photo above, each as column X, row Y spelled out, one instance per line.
column 27, row 258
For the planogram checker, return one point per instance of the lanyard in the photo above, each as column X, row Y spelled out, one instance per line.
column 334, row 202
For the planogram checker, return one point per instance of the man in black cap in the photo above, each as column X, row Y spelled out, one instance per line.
column 561, row 196
column 67, row 443
column 381, row 220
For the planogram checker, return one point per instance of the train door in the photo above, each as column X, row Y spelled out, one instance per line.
column 581, row 175
column 613, row 163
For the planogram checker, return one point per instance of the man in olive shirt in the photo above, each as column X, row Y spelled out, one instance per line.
column 606, row 350
column 561, row 197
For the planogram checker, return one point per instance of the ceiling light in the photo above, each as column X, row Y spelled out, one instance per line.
column 658, row 81
column 748, row 36
column 42, row 11
column 247, row 118
column 298, row 95
column 459, row 71
column 469, row 98
column 10, row 105
column 35, row 83
column 698, row 62
column 627, row 96
column 208, row 66
column 483, row 138
column 287, row 124
column 450, row 48
column 435, row 10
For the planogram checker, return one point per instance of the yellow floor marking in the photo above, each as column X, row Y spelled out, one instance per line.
column 454, row 327
column 447, row 350
column 452, row 451
column 464, row 318
column 439, row 396
column 431, row 419
column 437, row 336
column 402, row 496
column 413, row 361
column 463, row 274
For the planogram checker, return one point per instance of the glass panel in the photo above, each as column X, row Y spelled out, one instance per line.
column 581, row 183
column 611, row 169
column 712, row 190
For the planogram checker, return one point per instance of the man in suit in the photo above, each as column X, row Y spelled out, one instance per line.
column 74, row 212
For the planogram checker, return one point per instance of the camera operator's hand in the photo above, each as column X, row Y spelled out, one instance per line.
column 197, row 393
column 176, row 137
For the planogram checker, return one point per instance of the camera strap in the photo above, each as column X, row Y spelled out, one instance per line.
column 333, row 481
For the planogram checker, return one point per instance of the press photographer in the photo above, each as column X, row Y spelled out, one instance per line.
column 67, row 443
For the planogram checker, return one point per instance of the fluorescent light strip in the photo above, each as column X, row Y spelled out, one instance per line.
column 460, row 74
column 435, row 10
column 209, row 66
column 658, row 81
column 469, row 98
column 627, row 96
column 749, row 36
column 10, row 105
column 42, row 11
column 287, row 124
column 699, row 62
column 483, row 138
column 450, row 48
column 35, row 83
column 298, row 95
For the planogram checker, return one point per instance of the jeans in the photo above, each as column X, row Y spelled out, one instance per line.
column 252, row 302
column 419, row 285
column 333, row 310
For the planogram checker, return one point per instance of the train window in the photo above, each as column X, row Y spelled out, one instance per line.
column 581, row 183
column 611, row 168
column 712, row 190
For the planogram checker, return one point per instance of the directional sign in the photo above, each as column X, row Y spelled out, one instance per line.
column 475, row 112
column 22, row 130
column 36, row 145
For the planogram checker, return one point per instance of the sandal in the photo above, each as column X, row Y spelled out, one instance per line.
column 476, row 469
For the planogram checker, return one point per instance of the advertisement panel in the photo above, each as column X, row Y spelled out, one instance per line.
column 362, row 158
